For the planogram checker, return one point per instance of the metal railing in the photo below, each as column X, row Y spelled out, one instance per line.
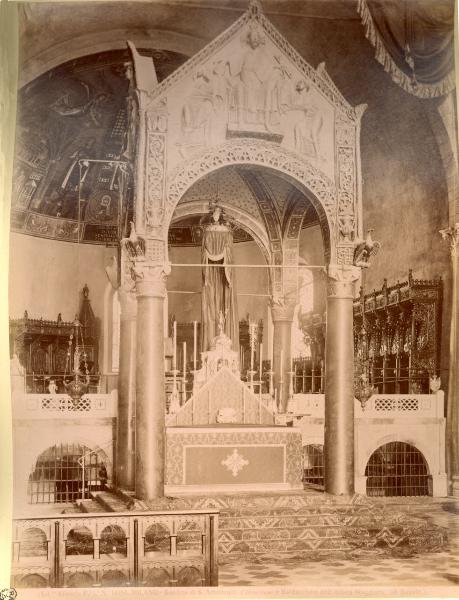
column 174, row 548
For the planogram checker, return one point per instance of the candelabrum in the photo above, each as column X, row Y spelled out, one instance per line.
column 251, row 374
column 174, row 405
column 271, row 382
column 363, row 389
column 290, row 392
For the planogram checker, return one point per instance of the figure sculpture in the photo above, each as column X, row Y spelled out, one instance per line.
column 219, row 309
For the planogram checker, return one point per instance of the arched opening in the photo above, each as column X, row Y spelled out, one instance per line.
column 64, row 472
column 113, row 542
column 33, row 543
column 189, row 539
column 398, row 469
column 254, row 201
column 157, row 540
column 79, row 542
column 32, row 581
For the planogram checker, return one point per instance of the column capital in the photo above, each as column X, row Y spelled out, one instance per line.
column 145, row 264
column 452, row 235
column 282, row 309
column 150, row 278
column 341, row 279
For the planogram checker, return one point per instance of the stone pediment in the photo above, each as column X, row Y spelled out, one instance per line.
column 248, row 97
column 223, row 399
column 250, row 82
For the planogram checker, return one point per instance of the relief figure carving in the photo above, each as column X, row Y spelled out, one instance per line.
column 308, row 121
column 257, row 86
column 206, row 97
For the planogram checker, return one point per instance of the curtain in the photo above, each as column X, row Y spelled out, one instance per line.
column 414, row 42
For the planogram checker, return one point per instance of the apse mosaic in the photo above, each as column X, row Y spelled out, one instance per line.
column 71, row 166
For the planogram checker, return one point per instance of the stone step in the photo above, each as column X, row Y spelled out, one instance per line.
column 313, row 527
column 109, row 501
column 90, row 506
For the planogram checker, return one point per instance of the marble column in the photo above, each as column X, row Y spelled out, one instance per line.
column 150, row 382
column 282, row 317
column 452, row 414
column 339, row 381
column 125, row 435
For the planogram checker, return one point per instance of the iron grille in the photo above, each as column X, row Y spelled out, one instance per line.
column 397, row 469
column 313, row 464
column 58, row 474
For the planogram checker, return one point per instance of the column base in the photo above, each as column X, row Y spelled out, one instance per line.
column 455, row 486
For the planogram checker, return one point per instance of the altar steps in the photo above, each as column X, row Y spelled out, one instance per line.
column 309, row 525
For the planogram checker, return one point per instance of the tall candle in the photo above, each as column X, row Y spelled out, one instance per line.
column 174, row 357
column 281, row 364
column 195, row 343
column 271, row 350
column 184, row 360
column 261, row 359
column 252, row 345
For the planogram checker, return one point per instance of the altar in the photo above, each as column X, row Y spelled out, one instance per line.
column 225, row 438
column 221, row 459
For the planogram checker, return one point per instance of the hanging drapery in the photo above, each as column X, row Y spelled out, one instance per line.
column 218, row 290
column 414, row 42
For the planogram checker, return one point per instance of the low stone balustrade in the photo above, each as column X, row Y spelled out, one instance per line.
column 410, row 406
column 402, row 406
column 55, row 406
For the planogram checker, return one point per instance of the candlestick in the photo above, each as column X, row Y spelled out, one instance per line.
column 174, row 356
column 195, row 343
column 271, row 382
column 281, row 374
column 252, row 345
column 261, row 365
column 184, row 372
column 174, row 405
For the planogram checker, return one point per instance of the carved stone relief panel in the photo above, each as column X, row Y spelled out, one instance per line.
column 249, row 82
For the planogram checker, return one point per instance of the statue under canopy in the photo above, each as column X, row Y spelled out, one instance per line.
column 219, row 304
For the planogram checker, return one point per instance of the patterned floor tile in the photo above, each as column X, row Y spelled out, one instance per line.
column 420, row 571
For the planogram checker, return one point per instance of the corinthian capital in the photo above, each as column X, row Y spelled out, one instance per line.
column 451, row 234
column 150, row 278
column 282, row 309
column 341, row 279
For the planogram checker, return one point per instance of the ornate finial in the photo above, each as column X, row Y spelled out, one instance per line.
column 134, row 244
column 364, row 250
column 255, row 9
column 86, row 291
column 434, row 383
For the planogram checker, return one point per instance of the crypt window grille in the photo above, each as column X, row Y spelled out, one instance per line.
column 313, row 464
column 58, row 474
column 397, row 469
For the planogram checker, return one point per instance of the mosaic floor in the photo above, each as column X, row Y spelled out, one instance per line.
column 421, row 571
